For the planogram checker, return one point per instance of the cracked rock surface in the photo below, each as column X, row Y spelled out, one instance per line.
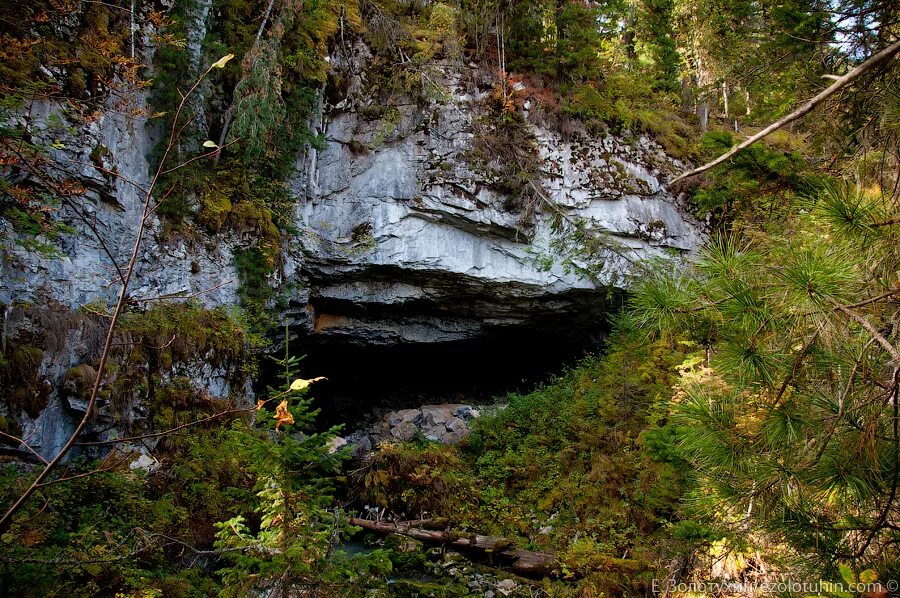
column 404, row 239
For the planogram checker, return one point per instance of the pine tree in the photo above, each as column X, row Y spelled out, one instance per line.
column 655, row 22
column 790, row 417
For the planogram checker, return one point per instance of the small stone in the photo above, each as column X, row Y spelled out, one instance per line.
column 506, row 587
column 144, row 462
column 437, row 414
column 404, row 431
column 363, row 445
column 466, row 413
column 336, row 444
column 404, row 415
column 382, row 428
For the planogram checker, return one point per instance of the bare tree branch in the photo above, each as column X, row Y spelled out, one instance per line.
column 879, row 338
column 52, row 186
column 122, row 300
column 25, row 444
column 839, row 84
column 170, row 430
column 170, row 296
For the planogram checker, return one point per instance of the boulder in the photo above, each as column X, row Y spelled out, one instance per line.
column 457, row 429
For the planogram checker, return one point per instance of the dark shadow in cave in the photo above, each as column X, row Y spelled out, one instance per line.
column 364, row 378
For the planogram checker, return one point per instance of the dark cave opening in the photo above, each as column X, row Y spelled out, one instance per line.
column 364, row 378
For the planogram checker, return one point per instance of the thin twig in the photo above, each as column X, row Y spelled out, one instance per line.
column 209, row 154
column 112, row 173
column 799, row 360
column 25, row 444
column 879, row 338
column 171, row 296
column 170, row 430
column 86, row 474
column 842, row 401
column 259, row 405
column 874, row 299
column 50, row 184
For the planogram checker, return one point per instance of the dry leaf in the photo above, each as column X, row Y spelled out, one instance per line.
column 282, row 415
column 259, row 404
column 300, row 384
column 220, row 63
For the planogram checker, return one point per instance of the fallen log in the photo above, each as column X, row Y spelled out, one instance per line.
column 501, row 550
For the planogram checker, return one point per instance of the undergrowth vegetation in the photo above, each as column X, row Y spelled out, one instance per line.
column 582, row 467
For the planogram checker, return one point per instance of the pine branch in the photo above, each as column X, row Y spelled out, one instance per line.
column 879, row 338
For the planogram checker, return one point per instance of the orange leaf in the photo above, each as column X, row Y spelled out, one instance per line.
column 282, row 415
column 259, row 404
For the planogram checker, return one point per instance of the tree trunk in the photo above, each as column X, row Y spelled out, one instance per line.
column 629, row 36
column 522, row 562
column 703, row 115
column 725, row 97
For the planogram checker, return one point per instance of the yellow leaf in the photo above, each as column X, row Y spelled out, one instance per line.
column 300, row 384
column 282, row 415
column 868, row 576
column 259, row 404
column 220, row 63
column 210, row 143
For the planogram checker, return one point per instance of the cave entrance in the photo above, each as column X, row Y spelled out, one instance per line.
column 365, row 378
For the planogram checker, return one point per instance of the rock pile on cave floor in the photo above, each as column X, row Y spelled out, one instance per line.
column 447, row 424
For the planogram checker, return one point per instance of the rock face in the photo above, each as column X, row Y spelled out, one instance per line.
column 82, row 271
column 404, row 240
column 49, row 353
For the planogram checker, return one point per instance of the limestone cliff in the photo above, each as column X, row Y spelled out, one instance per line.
column 401, row 235
column 405, row 239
